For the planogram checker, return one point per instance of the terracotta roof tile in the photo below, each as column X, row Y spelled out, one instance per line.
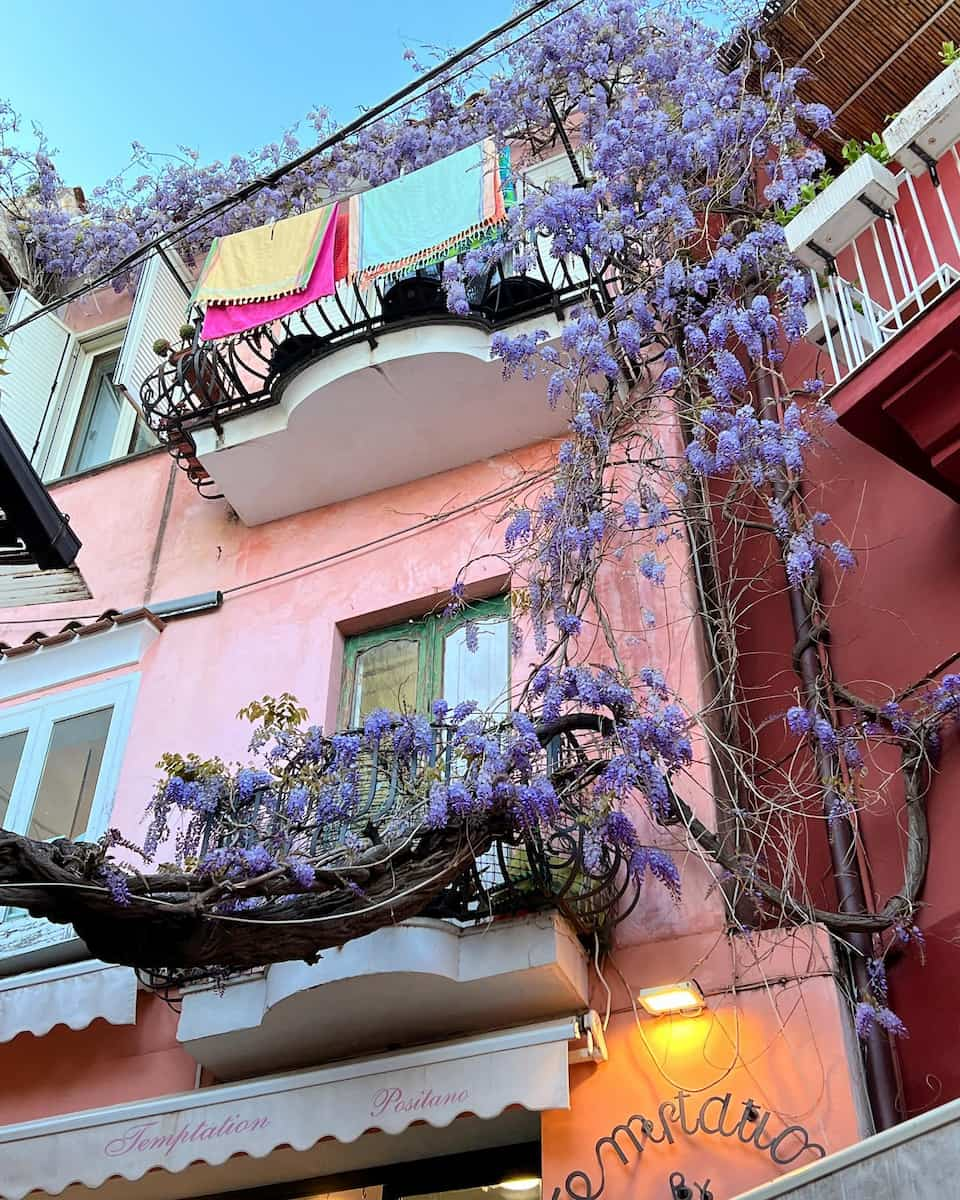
column 75, row 629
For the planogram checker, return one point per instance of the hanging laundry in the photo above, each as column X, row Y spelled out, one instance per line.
column 508, row 186
column 222, row 320
column 430, row 214
column 266, row 262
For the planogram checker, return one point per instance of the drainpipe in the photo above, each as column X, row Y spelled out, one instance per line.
column 877, row 1052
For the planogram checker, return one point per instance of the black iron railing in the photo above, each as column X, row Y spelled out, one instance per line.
column 523, row 869
column 204, row 384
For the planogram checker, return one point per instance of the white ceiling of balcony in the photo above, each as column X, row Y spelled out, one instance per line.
column 424, row 400
column 419, row 981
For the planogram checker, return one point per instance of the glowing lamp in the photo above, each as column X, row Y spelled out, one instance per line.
column 525, row 1183
column 673, row 1000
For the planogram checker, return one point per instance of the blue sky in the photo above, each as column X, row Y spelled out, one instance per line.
column 222, row 76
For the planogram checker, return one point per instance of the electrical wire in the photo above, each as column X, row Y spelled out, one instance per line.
column 436, row 519
column 706, row 1087
column 384, row 109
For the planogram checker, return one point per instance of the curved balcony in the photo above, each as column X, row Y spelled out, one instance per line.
column 279, row 420
column 514, row 871
column 500, row 945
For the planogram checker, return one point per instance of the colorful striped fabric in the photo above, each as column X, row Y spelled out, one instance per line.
column 223, row 320
column 264, row 263
column 430, row 214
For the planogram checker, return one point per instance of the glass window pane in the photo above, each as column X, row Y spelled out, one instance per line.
column 143, row 438
column 98, row 419
column 70, row 774
column 482, row 675
column 386, row 677
column 11, row 748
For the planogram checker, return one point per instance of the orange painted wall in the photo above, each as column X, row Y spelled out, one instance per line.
column 67, row 1070
column 781, row 1046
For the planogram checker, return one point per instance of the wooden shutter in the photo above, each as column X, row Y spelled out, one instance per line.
column 159, row 309
column 38, row 359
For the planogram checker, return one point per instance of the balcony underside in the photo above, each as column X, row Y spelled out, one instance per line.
column 422, row 400
column 904, row 401
column 420, row 981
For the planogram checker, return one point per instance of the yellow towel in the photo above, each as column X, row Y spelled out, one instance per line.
column 263, row 263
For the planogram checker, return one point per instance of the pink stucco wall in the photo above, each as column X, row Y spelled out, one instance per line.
column 145, row 539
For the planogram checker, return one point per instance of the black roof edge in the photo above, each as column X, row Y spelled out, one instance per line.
column 30, row 510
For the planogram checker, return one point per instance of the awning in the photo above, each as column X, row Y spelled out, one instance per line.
column 434, row 1085
column 72, row 995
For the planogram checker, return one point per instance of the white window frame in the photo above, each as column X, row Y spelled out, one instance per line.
column 106, row 340
column 37, row 717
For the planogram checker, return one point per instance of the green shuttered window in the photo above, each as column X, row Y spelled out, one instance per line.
column 406, row 667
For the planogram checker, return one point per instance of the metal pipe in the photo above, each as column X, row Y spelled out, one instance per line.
column 881, row 1077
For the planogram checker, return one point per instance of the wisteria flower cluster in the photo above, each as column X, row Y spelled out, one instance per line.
column 312, row 799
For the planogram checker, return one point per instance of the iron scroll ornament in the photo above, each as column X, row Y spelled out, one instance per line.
column 633, row 1136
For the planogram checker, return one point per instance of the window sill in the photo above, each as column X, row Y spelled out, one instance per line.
column 107, row 466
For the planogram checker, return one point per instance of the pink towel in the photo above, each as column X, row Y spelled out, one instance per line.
column 222, row 320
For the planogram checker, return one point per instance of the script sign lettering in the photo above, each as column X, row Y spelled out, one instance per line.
column 676, row 1117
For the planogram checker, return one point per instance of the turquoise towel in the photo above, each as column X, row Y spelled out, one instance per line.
column 414, row 218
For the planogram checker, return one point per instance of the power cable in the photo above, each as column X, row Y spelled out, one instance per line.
column 384, row 108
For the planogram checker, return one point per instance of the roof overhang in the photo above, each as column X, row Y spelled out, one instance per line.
column 78, row 651
column 37, row 546
column 433, row 1085
column 867, row 58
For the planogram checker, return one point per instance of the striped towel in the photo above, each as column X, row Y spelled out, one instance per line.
column 430, row 214
column 266, row 262
column 222, row 320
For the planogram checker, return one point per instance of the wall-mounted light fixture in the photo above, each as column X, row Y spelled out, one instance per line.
column 673, row 999
column 520, row 1183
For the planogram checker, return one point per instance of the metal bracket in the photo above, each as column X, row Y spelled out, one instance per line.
column 876, row 209
column 825, row 255
column 595, row 1051
column 928, row 161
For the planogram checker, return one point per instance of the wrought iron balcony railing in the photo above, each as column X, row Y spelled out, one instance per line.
column 511, row 871
column 205, row 383
column 522, row 869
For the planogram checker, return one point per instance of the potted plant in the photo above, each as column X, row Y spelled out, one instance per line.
column 842, row 209
column 930, row 124
column 860, row 316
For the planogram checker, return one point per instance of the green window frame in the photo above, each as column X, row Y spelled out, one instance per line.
column 431, row 647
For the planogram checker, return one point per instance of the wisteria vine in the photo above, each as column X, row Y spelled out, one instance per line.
column 684, row 428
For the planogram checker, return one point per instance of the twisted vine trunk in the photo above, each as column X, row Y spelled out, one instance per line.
column 878, row 1054
column 165, row 923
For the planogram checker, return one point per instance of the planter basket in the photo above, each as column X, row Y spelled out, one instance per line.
column 861, row 334
column 842, row 211
column 929, row 125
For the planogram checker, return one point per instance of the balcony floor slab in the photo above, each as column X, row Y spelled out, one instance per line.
column 425, row 399
column 421, row 981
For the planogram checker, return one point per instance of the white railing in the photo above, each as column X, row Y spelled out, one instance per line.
column 889, row 275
